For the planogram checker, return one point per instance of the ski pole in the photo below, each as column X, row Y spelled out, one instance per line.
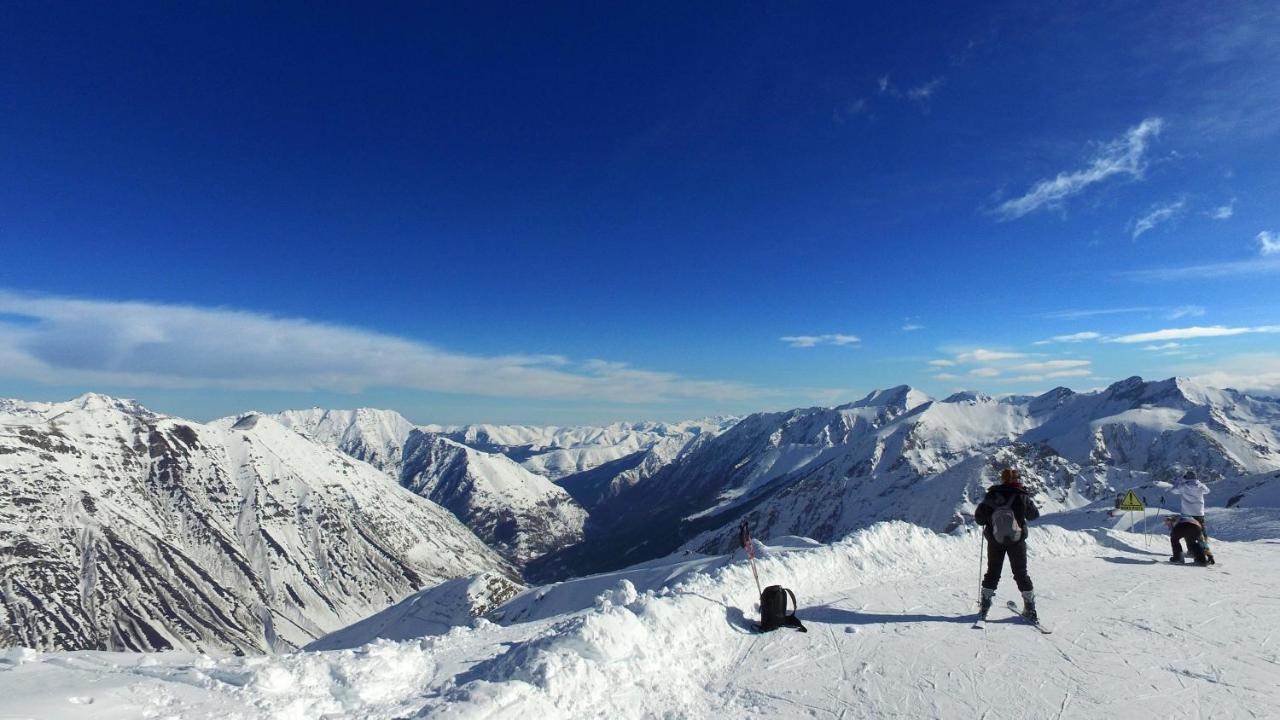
column 982, row 546
column 744, row 537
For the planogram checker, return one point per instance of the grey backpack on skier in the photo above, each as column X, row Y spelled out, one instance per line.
column 1005, row 527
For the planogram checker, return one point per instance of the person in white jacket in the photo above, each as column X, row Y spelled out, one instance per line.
column 1191, row 491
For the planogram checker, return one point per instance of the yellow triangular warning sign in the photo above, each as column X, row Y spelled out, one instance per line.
column 1131, row 502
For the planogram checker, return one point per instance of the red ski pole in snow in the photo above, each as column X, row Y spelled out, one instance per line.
column 744, row 537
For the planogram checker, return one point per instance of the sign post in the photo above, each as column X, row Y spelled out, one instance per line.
column 1131, row 503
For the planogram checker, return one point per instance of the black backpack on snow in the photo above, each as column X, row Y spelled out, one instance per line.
column 773, row 609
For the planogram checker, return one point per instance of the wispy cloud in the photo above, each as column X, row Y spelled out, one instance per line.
column 1188, row 333
column 984, row 372
column 1165, row 346
column 1078, row 314
column 1041, row 377
column 1253, row 266
column 911, row 327
column 808, row 341
column 1052, row 365
column 1156, row 215
column 1267, row 261
column 942, row 363
column 1224, row 212
column 1072, row 338
column 1268, row 243
column 926, row 90
column 1185, row 311
column 138, row 344
column 851, row 109
column 981, row 355
column 1123, row 156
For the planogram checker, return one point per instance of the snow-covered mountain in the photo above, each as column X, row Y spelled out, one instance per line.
column 122, row 528
column 897, row 454
column 558, row 452
column 374, row 436
column 378, row 437
column 518, row 513
column 496, row 478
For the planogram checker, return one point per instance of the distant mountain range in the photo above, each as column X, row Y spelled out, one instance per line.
column 898, row 454
column 124, row 528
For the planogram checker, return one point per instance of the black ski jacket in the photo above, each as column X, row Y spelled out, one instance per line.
column 1023, row 508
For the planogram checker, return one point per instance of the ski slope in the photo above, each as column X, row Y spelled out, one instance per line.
column 888, row 610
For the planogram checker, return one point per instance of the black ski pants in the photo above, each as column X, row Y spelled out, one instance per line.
column 1190, row 532
column 1017, row 554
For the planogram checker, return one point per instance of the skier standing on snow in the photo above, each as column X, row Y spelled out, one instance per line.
column 1186, row 528
column 1191, row 491
column 1004, row 513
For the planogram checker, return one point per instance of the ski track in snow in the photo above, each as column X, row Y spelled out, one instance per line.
column 888, row 609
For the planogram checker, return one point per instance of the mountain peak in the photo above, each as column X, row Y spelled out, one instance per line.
column 967, row 396
column 92, row 401
column 903, row 397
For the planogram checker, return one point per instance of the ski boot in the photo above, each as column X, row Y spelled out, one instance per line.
column 984, row 607
column 1029, row 606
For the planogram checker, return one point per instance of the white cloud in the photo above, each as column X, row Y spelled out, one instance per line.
column 1072, row 338
column 984, row 372
column 1254, row 266
column 1192, row 332
column 1224, row 212
column 1042, row 377
column 1267, row 261
column 911, row 327
column 1185, row 311
column 1052, row 365
column 140, row 344
column 981, row 355
column 883, row 83
column 925, row 91
column 1077, row 314
column 1124, row 156
column 946, row 376
column 1159, row 213
column 1268, row 243
column 1255, row 372
column 1165, row 346
column 1069, row 373
column 942, row 363
column 808, row 341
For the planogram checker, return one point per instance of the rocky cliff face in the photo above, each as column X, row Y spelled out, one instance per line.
column 124, row 529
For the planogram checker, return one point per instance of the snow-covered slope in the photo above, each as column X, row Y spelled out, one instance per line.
column 121, row 528
column 518, row 513
column 374, row 436
column 888, row 611
column 434, row 611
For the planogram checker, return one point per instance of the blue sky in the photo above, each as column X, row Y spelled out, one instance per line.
column 582, row 214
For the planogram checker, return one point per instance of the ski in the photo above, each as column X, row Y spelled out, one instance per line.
column 980, row 623
column 1014, row 607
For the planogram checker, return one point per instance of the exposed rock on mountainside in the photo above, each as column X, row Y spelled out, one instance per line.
column 124, row 529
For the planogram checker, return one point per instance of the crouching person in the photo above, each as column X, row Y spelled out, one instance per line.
column 1184, row 528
